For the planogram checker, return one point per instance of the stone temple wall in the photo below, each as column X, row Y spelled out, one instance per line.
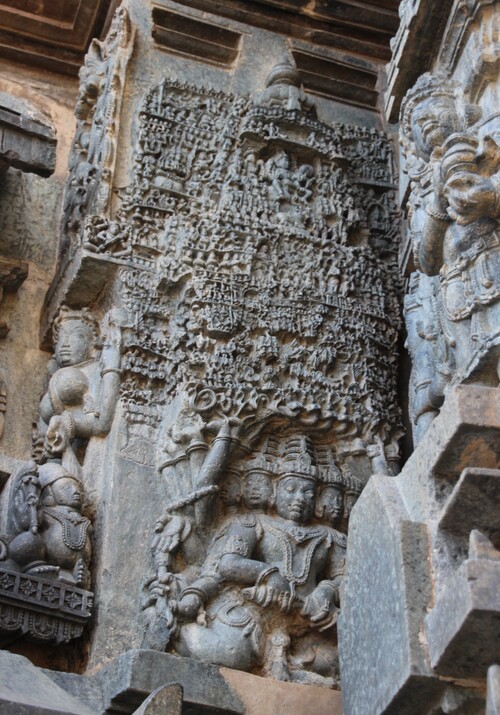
column 423, row 549
column 202, row 504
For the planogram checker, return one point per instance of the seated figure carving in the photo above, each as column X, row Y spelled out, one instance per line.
column 47, row 534
column 267, row 596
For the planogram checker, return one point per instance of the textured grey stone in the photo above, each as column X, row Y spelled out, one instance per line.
column 27, row 142
column 474, row 503
column 493, row 694
column 165, row 700
column 463, row 628
column 388, row 586
column 26, row 690
column 124, row 683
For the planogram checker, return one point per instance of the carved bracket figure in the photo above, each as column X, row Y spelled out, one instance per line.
column 45, row 555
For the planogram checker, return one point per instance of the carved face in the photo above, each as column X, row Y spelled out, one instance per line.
column 350, row 500
column 257, row 491
column 73, row 343
column 432, row 121
column 67, row 492
column 295, row 499
column 230, row 491
column 330, row 504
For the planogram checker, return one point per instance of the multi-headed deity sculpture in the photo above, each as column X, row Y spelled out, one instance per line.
column 263, row 593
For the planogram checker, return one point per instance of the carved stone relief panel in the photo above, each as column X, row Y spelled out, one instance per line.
column 255, row 255
column 44, row 556
column 93, row 153
column 454, row 209
column 45, row 543
column 250, row 356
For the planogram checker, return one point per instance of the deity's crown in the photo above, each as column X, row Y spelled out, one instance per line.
column 298, row 465
column 352, row 485
column 427, row 85
column 83, row 315
column 260, row 465
column 331, row 475
column 233, row 472
column 52, row 471
column 328, row 469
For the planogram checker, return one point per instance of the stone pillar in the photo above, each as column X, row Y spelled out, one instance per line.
column 421, row 592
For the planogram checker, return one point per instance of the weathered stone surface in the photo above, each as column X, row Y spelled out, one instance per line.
column 473, row 504
column 25, row 690
column 387, row 590
column 465, row 434
column 165, row 700
column 123, row 685
column 398, row 551
column 414, row 48
column 27, row 143
column 493, row 696
column 463, row 628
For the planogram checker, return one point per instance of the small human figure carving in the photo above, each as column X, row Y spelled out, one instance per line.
column 48, row 534
column 83, row 391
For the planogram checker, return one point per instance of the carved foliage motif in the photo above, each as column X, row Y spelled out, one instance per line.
column 97, row 109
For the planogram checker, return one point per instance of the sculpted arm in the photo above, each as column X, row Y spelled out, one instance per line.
column 435, row 226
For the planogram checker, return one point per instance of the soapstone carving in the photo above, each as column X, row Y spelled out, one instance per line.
column 255, row 252
column 266, row 596
column 454, row 211
column 44, row 555
column 93, row 152
column 83, row 390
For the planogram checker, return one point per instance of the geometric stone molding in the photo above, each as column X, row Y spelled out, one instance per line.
column 123, row 684
column 424, row 543
column 24, row 688
column 54, row 37
column 452, row 32
column 472, row 41
column 41, row 609
column 27, row 143
column 413, row 48
column 463, row 628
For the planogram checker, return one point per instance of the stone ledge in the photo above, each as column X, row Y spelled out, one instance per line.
column 122, row 685
column 463, row 628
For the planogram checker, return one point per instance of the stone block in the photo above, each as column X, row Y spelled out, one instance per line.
column 122, row 685
column 465, row 434
column 493, row 694
column 165, row 700
column 474, row 503
column 25, row 689
column 463, row 628
column 383, row 665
